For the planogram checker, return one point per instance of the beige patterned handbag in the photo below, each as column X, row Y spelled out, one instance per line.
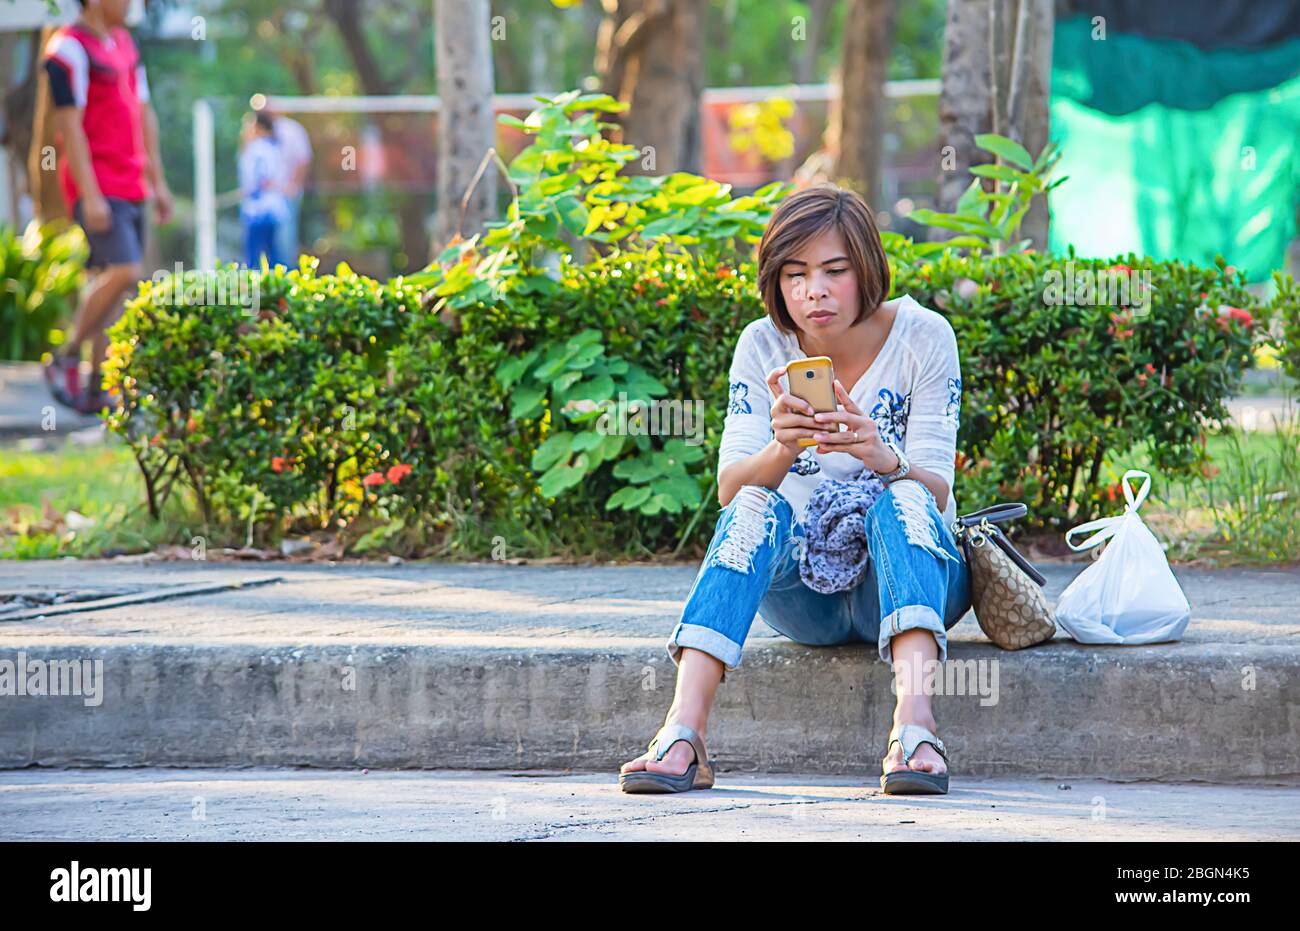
column 1006, row 590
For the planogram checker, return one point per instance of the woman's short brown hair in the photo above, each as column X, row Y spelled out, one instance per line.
column 807, row 214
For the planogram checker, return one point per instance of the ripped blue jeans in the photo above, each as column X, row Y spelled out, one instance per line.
column 916, row 578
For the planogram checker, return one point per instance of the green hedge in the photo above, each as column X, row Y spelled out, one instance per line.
column 278, row 418
column 458, row 410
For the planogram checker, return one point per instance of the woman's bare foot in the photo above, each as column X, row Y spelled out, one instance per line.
column 698, row 675
column 911, row 650
column 926, row 759
column 679, row 756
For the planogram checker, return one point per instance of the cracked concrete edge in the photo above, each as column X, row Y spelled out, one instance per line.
column 1114, row 713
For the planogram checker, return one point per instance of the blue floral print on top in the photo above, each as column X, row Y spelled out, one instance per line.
column 737, row 403
column 890, row 415
column 953, row 409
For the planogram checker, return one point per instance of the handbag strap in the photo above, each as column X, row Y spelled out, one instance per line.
column 987, row 517
column 1001, row 541
column 994, row 514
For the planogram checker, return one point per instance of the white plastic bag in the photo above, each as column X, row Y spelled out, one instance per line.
column 1129, row 595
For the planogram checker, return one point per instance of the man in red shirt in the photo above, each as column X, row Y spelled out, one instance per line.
column 108, row 136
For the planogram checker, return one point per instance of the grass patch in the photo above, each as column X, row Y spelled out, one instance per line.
column 1244, row 511
column 79, row 501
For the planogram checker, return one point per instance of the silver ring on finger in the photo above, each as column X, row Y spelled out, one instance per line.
column 855, row 436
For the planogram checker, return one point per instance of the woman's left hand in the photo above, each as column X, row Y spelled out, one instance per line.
column 860, row 436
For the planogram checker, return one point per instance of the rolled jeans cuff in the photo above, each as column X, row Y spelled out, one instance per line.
column 912, row 617
column 707, row 640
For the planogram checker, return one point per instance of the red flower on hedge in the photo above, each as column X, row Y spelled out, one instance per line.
column 279, row 463
column 398, row 472
column 1119, row 268
column 1241, row 316
column 374, row 478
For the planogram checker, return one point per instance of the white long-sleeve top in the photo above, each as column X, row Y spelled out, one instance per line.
column 912, row 391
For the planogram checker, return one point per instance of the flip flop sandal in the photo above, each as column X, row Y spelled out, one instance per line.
column 910, row 781
column 699, row 775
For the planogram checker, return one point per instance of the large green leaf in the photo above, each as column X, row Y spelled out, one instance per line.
column 559, row 479
column 957, row 242
column 566, row 380
column 1006, row 149
column 1003, row 173
column 555, row 449
column 512, row 370
column 961, row 224
column 526, row 401
column 665, row 226
column 572, row 214
column 599, row 388
column 684, row 452
column 556, row 361
column 586, row 441
column 680, row 487
column 637, row 471
column 628, row 498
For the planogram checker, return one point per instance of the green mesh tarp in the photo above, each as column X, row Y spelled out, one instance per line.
column 1174, row 150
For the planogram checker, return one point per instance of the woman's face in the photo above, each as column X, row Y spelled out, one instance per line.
column 820, row 287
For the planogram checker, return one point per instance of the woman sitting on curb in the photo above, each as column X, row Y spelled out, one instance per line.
column 824, row 279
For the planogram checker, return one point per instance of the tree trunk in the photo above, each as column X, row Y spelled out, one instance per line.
column 466, row 124
column 348, row 19
column 997, row 61
column 648, row 55
column 805, row 66
column 1035, row 117
column 19, row 114
column 965, row 100
column 868, row 33
column 42, row 174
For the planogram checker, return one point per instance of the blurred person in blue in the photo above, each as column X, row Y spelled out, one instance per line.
column 263, row 185
column 296, row 146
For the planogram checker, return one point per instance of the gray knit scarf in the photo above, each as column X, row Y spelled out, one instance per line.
column 835, row 551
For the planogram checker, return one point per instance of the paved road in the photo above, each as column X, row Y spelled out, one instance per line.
column 285, row 804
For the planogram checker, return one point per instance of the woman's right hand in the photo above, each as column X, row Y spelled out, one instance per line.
column 792, row 418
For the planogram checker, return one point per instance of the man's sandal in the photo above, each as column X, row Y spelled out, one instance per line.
column 699, row 775
column 910, row 781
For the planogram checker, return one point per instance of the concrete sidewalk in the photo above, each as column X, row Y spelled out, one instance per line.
column 28, row 410
column 259, row 805
column 490, row 666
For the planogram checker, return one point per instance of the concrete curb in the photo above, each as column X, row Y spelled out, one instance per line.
column 1171, row 713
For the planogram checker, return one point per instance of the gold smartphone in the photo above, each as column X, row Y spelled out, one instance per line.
column 813, row 380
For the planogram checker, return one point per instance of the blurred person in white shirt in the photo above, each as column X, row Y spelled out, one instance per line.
column 263, row 180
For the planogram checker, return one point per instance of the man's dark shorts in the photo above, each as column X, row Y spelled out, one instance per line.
column 123, row 242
